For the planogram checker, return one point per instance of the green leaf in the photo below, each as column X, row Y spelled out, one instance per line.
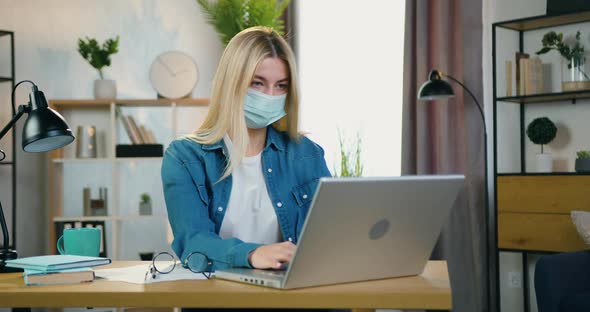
column 350, row 160
column 541, row 130
column 544, row 50
column 96, row 55
column 551, row 41
column 229, row 17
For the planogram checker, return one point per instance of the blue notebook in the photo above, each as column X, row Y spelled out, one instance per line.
column 56, row 262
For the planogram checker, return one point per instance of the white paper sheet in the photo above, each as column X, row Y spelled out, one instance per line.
column 136, row 274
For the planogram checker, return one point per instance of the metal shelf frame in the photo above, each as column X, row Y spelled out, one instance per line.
column 11, row 163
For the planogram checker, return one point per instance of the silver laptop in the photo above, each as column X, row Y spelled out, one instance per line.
column 361, row 229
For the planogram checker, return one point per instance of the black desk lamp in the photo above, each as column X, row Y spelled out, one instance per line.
column 44, row 130
column 438, row 89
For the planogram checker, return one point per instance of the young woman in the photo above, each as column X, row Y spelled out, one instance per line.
column 238, row 189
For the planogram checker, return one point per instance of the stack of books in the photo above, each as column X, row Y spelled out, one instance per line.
column 138, row 133
column 57, row 269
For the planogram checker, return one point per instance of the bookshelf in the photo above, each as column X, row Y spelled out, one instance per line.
column 8, row 191
column 532, row 210
column 127, row 233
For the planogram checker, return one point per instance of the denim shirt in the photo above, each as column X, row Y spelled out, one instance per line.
column 196, row 200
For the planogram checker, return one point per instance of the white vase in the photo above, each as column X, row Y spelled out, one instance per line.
column 544, row 162
column 145, row 209
column 105, row 89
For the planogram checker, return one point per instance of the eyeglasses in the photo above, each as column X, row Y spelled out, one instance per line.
column 165, row 262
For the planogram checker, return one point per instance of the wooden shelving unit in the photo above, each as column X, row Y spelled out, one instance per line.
column 66, row 173
column 533, row 209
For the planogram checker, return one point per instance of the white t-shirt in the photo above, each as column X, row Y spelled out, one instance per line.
column 249, row 215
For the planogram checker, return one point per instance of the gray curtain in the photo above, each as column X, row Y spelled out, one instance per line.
column 447, row 136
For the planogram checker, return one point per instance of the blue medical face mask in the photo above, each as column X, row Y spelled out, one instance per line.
column 262, row 109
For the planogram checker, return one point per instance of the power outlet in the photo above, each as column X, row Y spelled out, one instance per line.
column 514, row 280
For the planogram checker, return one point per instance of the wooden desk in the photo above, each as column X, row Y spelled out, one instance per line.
column 431, row 290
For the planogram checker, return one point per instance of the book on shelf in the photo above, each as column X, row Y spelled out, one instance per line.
column 145, row 135
column 534, row 78
column 130, row 133
column 531, row 76
column 56, row 262
column 138, row 134
column 508, row 78
column 519, row 71
column 133, row 131
column 151, row 136
column 68, row 276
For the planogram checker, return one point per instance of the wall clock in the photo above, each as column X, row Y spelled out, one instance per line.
column 174, row 74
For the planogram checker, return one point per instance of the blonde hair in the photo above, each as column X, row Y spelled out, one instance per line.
column 234, row 75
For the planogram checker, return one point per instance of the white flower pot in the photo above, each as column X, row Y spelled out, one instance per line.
column 145, row 209
column 544, row 162
column 105, row 89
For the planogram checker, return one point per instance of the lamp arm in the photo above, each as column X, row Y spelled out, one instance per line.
column 14, row 90
column 4, row 230
column 474, row 99
column 21, row 110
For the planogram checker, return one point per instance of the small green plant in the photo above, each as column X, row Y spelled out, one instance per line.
column 583, row 154
column 229, row 17
column 145, row 198
column 98, row 56
column 541, row 131
column 350, row 161
column 574, row 54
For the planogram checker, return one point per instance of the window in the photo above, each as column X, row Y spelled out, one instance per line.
column 350, row 57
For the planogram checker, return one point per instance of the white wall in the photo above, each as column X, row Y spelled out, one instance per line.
column 46, row 34
column 571, row 120
column 350, row 63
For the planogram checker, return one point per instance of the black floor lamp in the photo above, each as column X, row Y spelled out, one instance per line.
column 44, row 130
column 437, row 89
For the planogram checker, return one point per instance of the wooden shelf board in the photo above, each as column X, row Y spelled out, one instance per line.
column 105, row 103
column 4, row 33
column 547, row 97
column 542, row 174
column 107, row 218
column 91, row 218
column 81, row 160
column 133, row 159
column 104, row 160
column 543, row 21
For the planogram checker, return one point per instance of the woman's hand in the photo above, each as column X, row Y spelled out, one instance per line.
column 272, row 256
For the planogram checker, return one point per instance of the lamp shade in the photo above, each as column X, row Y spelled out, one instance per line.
column 435, row 88
column 44, row 129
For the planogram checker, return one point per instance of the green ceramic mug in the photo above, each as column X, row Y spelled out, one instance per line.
column 80, row 242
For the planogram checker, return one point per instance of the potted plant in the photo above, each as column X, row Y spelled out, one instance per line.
column 583, row 161
column 542, row 131
column 350, row 161
column 145, row 205
column 99, row 56
column 229, row 17
column 573, row 66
